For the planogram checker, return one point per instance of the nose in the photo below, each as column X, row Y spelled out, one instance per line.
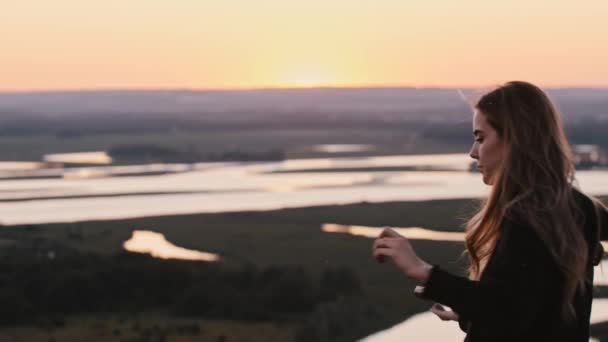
column 473, row 152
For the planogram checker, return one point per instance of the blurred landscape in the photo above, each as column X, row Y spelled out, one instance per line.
column 282, row 275
column 180, row 171
column 270, row 124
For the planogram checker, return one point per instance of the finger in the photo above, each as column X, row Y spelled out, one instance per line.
column 378, row 243
column 384, row 251
column 381, row 254
column 443, row 312
column 451, row 317
column 438, row 307
column 439, row 314
column 375, row 246
column 385, row 242
column 389, row 232
column 444, row 315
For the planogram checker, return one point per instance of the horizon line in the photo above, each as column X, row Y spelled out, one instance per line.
column 270, row 88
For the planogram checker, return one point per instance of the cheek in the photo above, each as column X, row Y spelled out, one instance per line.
column 482, row 152
column 491, row 155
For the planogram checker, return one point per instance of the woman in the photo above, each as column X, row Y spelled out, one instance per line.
column 533, row 243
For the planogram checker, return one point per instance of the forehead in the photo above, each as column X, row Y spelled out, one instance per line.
column 480, row 122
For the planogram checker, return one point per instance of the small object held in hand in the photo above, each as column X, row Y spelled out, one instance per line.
column 418, row 291
column 441, row 307
column 444, row 313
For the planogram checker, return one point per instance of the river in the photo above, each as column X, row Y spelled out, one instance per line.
column 111, row 192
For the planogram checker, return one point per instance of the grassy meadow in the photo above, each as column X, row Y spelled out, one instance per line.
column 263, row 241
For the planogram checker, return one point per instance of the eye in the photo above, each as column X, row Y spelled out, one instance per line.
column 479, row 140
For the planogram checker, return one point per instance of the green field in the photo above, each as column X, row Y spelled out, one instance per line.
column 107, row 328
column 265, row 239
column 297, row 143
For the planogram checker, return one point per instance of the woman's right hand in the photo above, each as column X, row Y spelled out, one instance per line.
column 443, row 313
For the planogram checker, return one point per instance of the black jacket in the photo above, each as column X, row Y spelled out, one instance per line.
column 518, row 295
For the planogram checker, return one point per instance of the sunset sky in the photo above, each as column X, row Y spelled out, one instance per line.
column 86, row 44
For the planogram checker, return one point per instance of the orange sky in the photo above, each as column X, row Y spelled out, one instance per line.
column 71, row 44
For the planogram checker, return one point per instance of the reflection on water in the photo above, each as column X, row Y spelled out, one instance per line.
column 599, row 310
column 173, row 189
column 457, row 162
column 428, row 327
column 155, row 244
column 415, row 233
column 124, row 171
column 79, row 158
column 40, row 171
column 421, row 327
column 298, row 182
column 20, row 166
column 601, row 272
column 341, row 148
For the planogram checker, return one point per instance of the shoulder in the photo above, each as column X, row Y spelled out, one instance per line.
column 586, row 204
column 517, row 223
column 593, row 214
column 519, row 248
column 586, row 210
column 591, row 206
column 519, row 229
column 518, row 236
column 595, row 222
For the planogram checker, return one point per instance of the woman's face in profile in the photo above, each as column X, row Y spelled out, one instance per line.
column 487, row 148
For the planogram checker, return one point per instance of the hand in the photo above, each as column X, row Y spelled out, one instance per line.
column 443, row 313
column 398, row 248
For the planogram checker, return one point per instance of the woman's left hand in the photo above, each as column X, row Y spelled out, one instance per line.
column 391, row 244
column 443, row 313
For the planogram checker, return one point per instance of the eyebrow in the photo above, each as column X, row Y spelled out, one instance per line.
column 477, row 131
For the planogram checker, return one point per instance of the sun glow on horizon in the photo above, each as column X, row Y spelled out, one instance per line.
column 234, row 44
column 307, row 78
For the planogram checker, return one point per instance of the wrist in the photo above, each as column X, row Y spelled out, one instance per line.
column 423, row 272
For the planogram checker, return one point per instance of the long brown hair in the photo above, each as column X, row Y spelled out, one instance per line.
column 534, row 182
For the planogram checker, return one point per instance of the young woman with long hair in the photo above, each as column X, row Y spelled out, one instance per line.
column 534, row 241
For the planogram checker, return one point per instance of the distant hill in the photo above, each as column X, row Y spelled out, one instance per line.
column 439, row 114
column 414, row 103
column 278, row 101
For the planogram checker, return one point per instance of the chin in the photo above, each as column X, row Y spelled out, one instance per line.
column 486, row 180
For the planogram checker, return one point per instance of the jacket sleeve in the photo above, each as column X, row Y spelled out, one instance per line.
column 509, row 298
column 463, row 323
column 601, row 230
column 602, row 217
